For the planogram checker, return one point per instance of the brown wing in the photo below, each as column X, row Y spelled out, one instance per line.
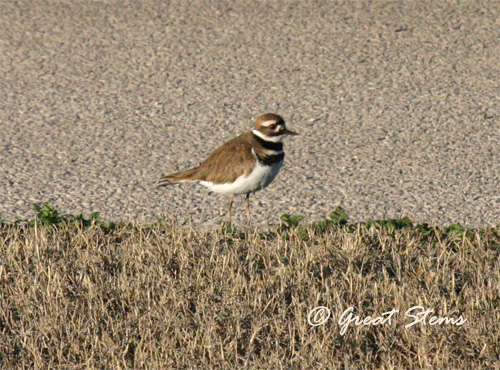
column 175, row 178
column 228, row 162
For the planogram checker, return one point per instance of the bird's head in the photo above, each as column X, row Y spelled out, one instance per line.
column 271, row 127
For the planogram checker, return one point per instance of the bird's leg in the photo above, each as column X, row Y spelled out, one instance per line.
column 229, row 209
column 247, row 207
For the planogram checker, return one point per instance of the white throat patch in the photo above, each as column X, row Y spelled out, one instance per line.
column 274, row 139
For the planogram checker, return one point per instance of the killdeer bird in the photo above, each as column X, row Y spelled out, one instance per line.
column 243, row 165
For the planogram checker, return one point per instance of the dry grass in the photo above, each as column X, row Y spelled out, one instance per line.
column 168, row 297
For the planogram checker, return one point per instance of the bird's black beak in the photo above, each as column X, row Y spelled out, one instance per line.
column 290, row 132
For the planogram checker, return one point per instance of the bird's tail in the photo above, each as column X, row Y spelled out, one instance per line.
column 178, row 177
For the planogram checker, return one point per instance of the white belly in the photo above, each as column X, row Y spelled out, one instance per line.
column 259, row 178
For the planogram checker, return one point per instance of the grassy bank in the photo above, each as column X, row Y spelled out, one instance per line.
column 82, row 294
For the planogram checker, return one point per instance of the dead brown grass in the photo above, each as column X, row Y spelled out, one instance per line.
column 168, row 297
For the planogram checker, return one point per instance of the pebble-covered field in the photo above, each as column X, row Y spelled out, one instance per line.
column 397, row 104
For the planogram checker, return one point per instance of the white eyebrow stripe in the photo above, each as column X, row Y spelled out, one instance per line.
column 269, row 123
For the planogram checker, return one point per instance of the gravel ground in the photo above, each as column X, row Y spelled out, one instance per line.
column 397, row 103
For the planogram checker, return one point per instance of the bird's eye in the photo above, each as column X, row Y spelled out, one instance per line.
column 272, row 127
